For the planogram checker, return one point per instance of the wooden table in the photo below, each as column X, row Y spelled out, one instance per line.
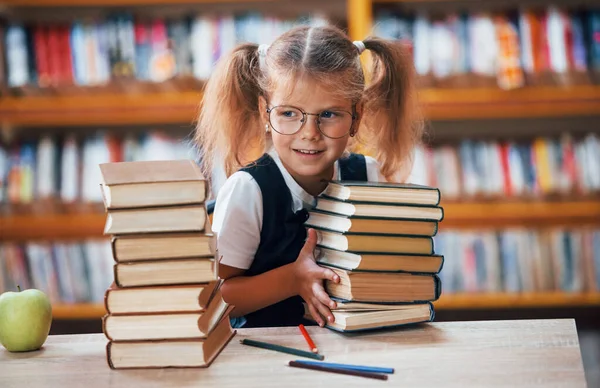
column 528, row 353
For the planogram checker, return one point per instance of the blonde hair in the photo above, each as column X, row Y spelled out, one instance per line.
column 229, row 124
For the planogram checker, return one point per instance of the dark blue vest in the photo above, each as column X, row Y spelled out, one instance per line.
column 283, row 234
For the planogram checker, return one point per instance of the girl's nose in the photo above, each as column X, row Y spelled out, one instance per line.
column 310, row 129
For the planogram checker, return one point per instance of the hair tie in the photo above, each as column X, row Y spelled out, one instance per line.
column 262, row 50
column 360, row 46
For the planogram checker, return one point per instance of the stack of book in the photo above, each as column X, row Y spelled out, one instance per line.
column 378, row 237
column 165, row 308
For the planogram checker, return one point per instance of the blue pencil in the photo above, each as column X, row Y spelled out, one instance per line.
column 361, row 368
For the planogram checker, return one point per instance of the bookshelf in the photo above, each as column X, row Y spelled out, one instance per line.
column 516, row 300
column 456, row 214
column 78, row 311
column 446, row 302
column 177, row 107
column 171, row 104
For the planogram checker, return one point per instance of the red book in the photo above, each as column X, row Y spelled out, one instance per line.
column 42, row 64
column 54, row 55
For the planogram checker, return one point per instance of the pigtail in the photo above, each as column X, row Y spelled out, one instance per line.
column 391, row 124
column 229, row 121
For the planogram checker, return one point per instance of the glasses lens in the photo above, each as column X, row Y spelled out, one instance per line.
column 286, row 120
column 335, row 123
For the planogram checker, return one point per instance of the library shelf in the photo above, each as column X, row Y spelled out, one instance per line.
column 181, row 107
column 114, row 3
column 174, row 107
column 526, row 102
column 68, row 226
column 78, row 311
column 521, row 213
column 71, row 226
column 448, row 301
column 504, row 300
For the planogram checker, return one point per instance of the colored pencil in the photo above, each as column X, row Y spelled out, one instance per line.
column 309, row 340
column 362, row 368
column 338, row 370
column 283, row 349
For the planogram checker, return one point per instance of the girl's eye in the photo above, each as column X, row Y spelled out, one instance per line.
column 327, row 114
column 288, row 113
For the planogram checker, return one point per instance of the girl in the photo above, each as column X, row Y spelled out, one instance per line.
column 303, row 99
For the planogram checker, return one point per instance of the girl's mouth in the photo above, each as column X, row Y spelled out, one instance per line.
column 308, row 153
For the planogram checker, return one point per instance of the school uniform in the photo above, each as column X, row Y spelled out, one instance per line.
column 259, row 223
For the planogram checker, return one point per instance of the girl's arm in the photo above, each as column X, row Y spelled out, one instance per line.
column 302, row 277
column 251, row 293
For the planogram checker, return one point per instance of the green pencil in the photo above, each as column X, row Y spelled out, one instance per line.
column 283, row 349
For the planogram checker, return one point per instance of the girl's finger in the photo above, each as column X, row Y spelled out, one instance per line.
column 315, row 314
column 328, row 274
column 325, row 312
column 323, row 297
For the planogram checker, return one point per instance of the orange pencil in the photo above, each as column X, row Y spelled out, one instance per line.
column 309, row 340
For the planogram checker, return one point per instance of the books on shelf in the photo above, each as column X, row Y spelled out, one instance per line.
column 165, row 310
column 518, row 260
column 509, row 49
column 386, row 262
column 543, row 167
column 127, row 46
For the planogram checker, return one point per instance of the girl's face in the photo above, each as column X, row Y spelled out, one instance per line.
column 308, row 154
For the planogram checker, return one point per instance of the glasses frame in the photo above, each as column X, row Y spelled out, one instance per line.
column 304, row 119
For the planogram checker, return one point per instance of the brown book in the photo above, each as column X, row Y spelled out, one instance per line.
column 152, row 183
column 383, row 192
column 371, row 225
column 370, row 209
column 163, row 326
column 379, row 261
column 375, row 317
column 164, row 272
column 190, row 218
column 384, row 287
column 159, row 299
column 162, row 246
column 195, row 353
column 413, row 245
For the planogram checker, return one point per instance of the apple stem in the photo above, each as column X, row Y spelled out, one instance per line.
column 19, row 288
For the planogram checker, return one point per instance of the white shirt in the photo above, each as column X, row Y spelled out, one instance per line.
column 238, row 214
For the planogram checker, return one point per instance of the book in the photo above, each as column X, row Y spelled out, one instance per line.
column 371, row 225
column 164, row 326
column 162, row 246
column 190, row 218
column 159, row 299
column 383, row 192
column 384, row 287
column 179, row 353
column 164, row 272
column 371, row 209
column 152, row 183
column 349, row 321
column 375, row 243
column 379, row 262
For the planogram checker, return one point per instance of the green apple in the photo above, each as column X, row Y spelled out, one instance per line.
column 25, row 319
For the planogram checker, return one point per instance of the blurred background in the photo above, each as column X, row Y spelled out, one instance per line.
column 510, row 90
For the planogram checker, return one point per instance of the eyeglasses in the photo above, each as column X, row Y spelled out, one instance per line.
column 288, row 120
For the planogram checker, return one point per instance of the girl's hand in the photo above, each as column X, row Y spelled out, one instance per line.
column 309, row 281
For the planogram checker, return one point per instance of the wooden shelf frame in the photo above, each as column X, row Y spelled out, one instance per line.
column 493, row 214
column 446, row 302
column 183, row 107
column 78, row 311
column 552, row 299
column 113, row 3
column 101, row 109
